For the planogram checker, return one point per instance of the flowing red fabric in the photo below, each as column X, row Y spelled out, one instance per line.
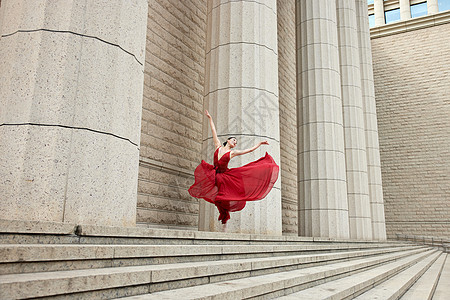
column 230, row 189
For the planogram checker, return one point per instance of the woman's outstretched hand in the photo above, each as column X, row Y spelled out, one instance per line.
column 207, row 114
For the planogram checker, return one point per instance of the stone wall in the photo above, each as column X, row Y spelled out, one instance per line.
column 288, row 114
column 412, row 85
column 171, row 134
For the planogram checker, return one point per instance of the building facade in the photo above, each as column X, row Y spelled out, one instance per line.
column 102, row 119
column 410, row 47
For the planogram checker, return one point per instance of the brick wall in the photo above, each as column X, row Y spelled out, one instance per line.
column 172, row 113
column 288, row 114
column 412, row 87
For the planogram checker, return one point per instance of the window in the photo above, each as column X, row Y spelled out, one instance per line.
column 443, row 5
column 392, row 15
column 369, row 1
column 371, row 20
column 418, row 10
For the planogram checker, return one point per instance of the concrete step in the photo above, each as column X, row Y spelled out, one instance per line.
column 120, row 281
column 396, row 286
column 424, row 287
column 30, row 232
column 41, row 258
column 351, row 286
column 278, row 284
column 442, row 291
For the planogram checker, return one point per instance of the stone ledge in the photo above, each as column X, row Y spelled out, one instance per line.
column 410, row 25
column 37, row 227
column 19, row 226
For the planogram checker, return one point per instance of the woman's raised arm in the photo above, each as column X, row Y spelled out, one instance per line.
column 240, row 152
column 217, row 143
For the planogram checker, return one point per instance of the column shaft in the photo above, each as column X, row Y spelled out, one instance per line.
column 241, row 88
column 378, row 8
column 370, row 123
column 71, row 101
column 432, row 7
column 405, row 10
column 323, row 208
column 353, row 113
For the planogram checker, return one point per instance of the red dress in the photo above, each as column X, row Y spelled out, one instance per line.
column 230, row 189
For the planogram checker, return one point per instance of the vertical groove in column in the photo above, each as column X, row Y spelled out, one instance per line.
column 353, row 115
column 241, row 93
column 370, row 121
column 323, row 207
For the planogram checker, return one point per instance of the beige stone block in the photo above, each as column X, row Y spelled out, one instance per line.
column 109, row 94
column 55, row 87
column 82, row 18
column 90, row 200
column 234, row 22
column 333, row 168
column 319, row 109
column 252, row 112
column 34, row 191
column 242, row 65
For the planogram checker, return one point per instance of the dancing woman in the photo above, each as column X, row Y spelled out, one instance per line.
column 230, row 189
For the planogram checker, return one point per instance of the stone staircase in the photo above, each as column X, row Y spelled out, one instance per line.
column 60, row 261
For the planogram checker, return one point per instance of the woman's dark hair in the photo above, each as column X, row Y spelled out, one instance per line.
column 231, row 137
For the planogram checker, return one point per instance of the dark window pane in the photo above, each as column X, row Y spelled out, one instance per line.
column 392, row 15
column 371, row 21
column 443, row 5
column 418, row 10
column 369, row 1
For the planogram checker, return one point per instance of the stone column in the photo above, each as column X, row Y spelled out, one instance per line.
column 432, row 7
column 70, row 109
column 378, row 9
column 353, row 113
column 241, row 93
column 405, row 10
column 323, row 208
column 370, row 123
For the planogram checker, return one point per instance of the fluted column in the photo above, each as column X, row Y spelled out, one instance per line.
column 370, row 123
column 432, row 7
column 405, row 10
column 71, row 89
column 378, row 9
column 353, row 113
column 323, row 209
column 241, row 93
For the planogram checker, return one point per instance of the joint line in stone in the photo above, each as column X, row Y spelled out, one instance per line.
column 75, row 33
column 320, row 95
column 329, row 69
column 316, row 19
column 357, row 171
column 309, row 44
column 245, row 43
column 325, row 179
column 309, row 209
column 71, row 127
column 320, row 150
column 321, row 122
column 243, row 134
column 231, row 1
column 241, row 87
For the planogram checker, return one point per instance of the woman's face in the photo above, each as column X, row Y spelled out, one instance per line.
column 232, row 142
